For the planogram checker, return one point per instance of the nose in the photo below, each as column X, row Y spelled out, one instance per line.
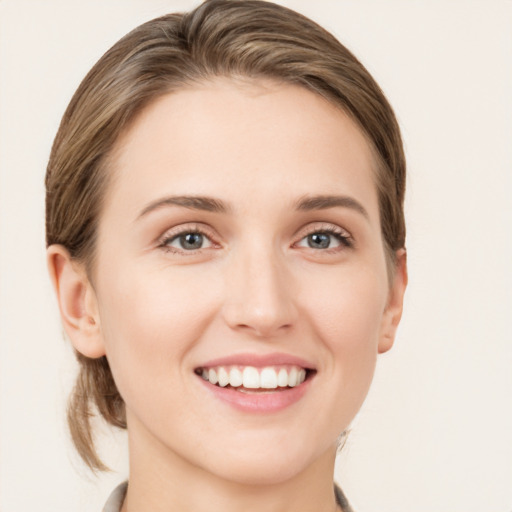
column 259, row 294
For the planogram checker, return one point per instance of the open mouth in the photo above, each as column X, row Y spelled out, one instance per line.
column 250, row 379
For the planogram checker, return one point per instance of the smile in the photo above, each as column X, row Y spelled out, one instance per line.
column 244, row 378
column 257, row 383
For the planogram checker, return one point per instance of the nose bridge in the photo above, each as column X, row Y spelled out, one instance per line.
column 259, row 291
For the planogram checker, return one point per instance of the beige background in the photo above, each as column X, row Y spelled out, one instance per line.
column 435, row 434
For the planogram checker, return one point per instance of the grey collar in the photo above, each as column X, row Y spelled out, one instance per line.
column 115, row 500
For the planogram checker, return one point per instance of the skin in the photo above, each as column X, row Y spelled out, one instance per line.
column 158, row 310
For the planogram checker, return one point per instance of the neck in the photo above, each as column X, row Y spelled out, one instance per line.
column 162, row 481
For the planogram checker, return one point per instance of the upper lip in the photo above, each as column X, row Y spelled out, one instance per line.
column 259, row 360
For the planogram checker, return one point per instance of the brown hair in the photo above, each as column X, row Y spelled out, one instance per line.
column 230, row 38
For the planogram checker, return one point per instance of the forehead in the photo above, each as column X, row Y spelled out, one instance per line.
column 250, row 136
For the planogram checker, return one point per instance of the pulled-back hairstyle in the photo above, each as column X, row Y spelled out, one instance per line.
column 220, row 38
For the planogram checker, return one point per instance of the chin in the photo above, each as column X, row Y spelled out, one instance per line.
column 260, row 467
column 263, row 473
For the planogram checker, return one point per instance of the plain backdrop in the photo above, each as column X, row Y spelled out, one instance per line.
column 435, row 434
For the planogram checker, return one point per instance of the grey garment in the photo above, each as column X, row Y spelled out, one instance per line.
column 115, row 501
column 341, row 500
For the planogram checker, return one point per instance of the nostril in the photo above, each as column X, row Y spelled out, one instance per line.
column 263, row 329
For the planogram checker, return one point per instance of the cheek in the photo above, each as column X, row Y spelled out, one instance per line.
column 347, row 318
column 149, row 323
column 347, row 307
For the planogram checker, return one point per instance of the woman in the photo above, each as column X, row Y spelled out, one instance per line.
column 226, row 239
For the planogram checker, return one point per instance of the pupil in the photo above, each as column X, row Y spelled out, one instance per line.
column 191, row 241
column 319, row 241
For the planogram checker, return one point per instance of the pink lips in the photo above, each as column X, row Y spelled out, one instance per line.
column 259, row 360
column 261, row 401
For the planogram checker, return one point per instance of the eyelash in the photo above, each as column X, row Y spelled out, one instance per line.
column 345, row 240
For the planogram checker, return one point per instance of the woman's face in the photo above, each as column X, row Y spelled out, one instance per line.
column 240, row 241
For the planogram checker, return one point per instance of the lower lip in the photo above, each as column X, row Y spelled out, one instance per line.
column 258, row 402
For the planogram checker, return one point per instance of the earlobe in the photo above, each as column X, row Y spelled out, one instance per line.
column 394, row 307
column 77, row 302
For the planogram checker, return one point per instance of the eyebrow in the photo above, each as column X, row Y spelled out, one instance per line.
column 309, row 203
column 208, row 204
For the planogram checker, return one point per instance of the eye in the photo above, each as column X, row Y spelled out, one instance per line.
column 319, row 240
column 187, row 241
column 326, row 239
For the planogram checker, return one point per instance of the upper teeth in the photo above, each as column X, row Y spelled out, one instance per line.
column 254, row 378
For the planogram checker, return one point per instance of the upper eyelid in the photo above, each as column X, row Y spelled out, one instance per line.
column 322, row 226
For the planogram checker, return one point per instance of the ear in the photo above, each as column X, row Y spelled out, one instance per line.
column 394, row 306
column 77, row 302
